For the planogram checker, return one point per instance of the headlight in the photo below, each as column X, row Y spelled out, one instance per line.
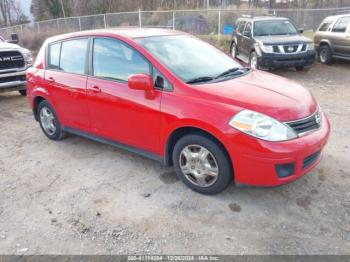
column 310, row 46
column 266, row 48
column 261, row 126
column 27, row 55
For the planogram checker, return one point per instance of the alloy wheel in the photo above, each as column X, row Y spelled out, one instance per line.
column 48, row 121
column 199, row 165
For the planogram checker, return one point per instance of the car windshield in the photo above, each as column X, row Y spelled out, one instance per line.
column 189, row 58
column 274, row 27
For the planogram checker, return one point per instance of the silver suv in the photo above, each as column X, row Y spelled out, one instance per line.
column 332, row 39
column 14, row 62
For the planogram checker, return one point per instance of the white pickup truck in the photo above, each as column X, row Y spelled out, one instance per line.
column 14, row 62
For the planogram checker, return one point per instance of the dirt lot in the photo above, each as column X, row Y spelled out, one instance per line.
column 80, row 197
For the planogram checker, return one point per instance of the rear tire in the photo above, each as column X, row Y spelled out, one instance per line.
column 23, row 92
column 49, row 122
column 202, row 164
column 325, row 54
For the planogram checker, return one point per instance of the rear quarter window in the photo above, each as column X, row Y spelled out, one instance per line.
column 54, row 56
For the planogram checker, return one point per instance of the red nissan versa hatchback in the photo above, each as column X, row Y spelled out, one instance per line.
column 172, row 97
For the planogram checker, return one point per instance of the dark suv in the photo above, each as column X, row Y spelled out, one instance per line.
column 271, row 42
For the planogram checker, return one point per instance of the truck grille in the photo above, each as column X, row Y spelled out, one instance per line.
column 289, row 49
column 11, row 59
column 307, row 124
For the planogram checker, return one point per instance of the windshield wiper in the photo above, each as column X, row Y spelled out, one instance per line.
column 200, row 79
column 233, row 71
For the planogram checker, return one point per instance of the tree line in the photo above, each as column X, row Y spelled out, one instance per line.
column 11, row 14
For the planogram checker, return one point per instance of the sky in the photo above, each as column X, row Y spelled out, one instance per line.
column 25, row 6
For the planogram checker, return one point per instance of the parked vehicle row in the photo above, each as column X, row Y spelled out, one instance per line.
column 274, row 42
column 153, row 92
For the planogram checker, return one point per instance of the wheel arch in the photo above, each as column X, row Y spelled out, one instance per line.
column 179, row 132
column 325, row 42
column 36, row 101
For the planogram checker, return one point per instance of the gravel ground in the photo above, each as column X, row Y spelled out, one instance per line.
column 81, row 197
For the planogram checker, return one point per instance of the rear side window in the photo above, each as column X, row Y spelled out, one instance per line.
column 54, row 56
column 113, row 59
column 341, row 25
column 241, row 26
column 73, row 56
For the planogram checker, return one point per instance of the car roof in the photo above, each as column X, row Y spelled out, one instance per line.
column 337, row 16
column 263, row 18
column 128, row 32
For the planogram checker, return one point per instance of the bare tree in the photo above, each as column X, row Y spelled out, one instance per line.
column 11, row 13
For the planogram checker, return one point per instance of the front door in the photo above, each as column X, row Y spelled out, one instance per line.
column 117, row 112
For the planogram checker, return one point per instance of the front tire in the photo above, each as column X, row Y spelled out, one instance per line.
column 254, row 61
column 202, row 164
column 49, row 122
column 325, row 54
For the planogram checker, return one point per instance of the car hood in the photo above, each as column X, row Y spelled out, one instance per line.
column 266, row 93
column 283, row 39
column 5, row 45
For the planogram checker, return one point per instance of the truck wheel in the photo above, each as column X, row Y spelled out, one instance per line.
column 49, row 122
column 253, row 61
column 202, row 164
column 325, row 54
column 23, row 92
column 233, row 50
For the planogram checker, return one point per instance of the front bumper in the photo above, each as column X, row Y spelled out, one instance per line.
column 255, row 161
column 13, row 80
column 287, row 60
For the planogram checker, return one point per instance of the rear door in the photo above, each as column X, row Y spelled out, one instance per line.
column 340, row 37
column 66, row 77
column 117, row 112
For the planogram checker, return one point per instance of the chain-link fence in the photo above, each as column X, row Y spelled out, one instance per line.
column 199, row 22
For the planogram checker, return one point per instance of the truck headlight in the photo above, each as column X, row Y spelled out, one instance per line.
column 310, row 46
column 261, row 126
column 28, row 58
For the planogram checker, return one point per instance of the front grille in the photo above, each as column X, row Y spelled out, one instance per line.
column 12, row 79
column 11, row 59
column 307, row 124
column 290, row 48
column 308, row 161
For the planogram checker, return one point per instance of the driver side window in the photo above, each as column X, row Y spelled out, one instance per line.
column 113, row 59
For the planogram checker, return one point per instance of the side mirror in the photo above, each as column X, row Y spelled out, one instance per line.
column 140, row 82
column 301, row 30
column 14, row 39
